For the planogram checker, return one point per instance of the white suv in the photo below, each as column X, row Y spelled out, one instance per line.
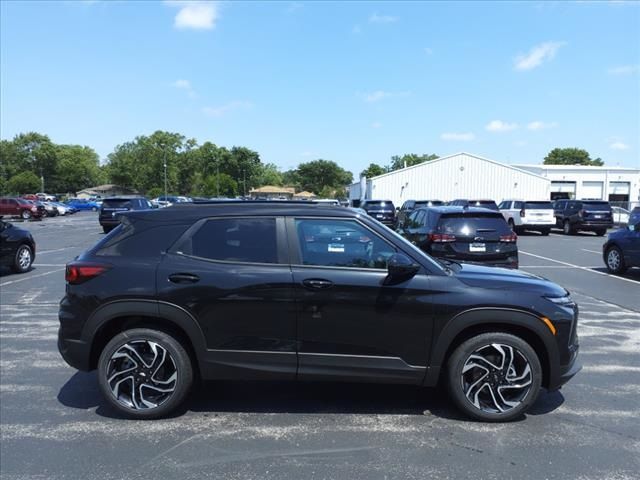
column 528, row 215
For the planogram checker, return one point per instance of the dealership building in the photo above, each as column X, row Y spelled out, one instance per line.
column 464, row 175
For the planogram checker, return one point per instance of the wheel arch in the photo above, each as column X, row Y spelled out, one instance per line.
column 474, row 322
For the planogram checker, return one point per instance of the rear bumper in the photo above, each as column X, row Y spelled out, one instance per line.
column 109, row 222
column 538, row 225
column 593, row 225
column 77, row 353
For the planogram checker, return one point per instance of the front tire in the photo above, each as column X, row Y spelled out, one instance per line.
column 614, row 259
column 23, row 259
column 566, row 228
column 494, row 377
column 601, row 232
column 545, row 232
column 26, row 214
column 145, row 373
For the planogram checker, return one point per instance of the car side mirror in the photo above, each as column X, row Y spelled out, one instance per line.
column 401, row 267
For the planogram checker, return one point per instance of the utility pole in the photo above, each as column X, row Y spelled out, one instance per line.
column 244, row 183
column 41, row 181
column 218, row 178
column 164, row 154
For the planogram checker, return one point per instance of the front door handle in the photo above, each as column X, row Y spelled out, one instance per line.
column 183, row 278
column 317, row 283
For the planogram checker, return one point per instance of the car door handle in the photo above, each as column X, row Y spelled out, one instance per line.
column 183, row 278
column 317, row 283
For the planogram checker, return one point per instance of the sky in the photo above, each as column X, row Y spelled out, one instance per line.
column 351, row 82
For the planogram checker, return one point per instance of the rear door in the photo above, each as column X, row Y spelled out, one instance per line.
column 232, row 275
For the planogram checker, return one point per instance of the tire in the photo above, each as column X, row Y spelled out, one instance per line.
column 25, row 214
column 23, row 259
column 545, row 232
column 473, row 396
column 600, row 232
column 614, row 260
column 106, row 229
column 94, row 209
column 132, row 353
column 566, row 228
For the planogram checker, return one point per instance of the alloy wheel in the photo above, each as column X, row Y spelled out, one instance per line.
column 142, row 375
column 24, row 258
column 496, row 378
column 613, row 259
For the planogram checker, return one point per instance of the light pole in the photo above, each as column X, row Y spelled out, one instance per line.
column 164, row 155
column 217, row 179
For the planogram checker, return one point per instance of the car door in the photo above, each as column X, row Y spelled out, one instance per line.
column 232, row 276
column 352, row 324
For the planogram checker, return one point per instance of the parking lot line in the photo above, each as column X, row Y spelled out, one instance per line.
column 56, row 250
column 551, row 266
column 31, row 277
column 592, row 251
column 587, row 269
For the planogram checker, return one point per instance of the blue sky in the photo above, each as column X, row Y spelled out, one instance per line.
column 351, row 82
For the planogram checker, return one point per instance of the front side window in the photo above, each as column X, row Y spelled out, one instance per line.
column 250, row 240
column 341, row 243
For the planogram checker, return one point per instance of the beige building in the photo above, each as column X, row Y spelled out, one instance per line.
column 102, row 191
column 271, row 192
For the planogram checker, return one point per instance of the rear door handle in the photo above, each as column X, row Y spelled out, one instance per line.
column 317, row 283
column 183, row 278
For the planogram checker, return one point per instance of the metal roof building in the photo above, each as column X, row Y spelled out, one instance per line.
column 461, row 175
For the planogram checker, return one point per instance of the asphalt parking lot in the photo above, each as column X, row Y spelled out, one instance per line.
column 54, row 424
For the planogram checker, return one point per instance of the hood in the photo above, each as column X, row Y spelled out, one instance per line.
column 619, row 233
column 507, row 279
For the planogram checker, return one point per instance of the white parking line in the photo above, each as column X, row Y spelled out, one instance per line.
column 592, row 251
column 30, row 277
column 587, row 269
column 552, row 266
column 49, row 265
column 56, row 250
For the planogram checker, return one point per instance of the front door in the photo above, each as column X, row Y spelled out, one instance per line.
column 352, row 324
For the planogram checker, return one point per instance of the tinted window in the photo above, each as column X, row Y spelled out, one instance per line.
column 251, row 240
column 341, row 243
column 596, row 205
column 518, row 205
column 139, row 240
column 484, row 204
column 538, row 205
column 504, row 205
column 428, row 203
column 117, row 203
column 465, row 225
column 378, row 205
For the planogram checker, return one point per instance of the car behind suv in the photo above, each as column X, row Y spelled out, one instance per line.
column 411, row 205
column 381, row 210
column 534, row 215
column 583, row 215
column 490, row 204
column 112, row 207
column 20, row 207
column 285, row 291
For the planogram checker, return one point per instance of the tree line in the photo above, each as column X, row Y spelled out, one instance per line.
column 31, row 162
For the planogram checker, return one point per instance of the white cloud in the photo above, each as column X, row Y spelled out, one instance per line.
column 376, row 18
column 537, row 55
column 619, row 146
column 376, row 125
column 381, row 94
column 226, row 108
column 457, row 137
column 624, row 70
column 186, row 86
column 195, row 14
column 538, row 125
column 500, row 126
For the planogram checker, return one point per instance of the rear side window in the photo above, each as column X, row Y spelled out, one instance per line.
column 117, row 203
column 139, row 240
column 467, row 225
column 247, row 240
column 538, row 205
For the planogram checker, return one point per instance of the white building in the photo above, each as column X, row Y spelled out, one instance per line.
column 462, row 175
column 615, row 184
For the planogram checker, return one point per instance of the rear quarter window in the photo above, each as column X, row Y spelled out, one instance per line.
column 139, row 240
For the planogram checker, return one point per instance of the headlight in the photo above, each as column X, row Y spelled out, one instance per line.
column 564, row 301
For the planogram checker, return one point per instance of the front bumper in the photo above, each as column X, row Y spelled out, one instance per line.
column 565, row 372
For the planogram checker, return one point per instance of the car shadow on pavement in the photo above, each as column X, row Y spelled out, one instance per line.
column 81, row 391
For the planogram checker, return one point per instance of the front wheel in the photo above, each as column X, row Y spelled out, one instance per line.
column 26, row 214
column 23, row 259
column 545, row 231
column 566, row 228
column 601, row 232
column 615, row 260
column 94, row 209
column 494, row 377
column 145, row 373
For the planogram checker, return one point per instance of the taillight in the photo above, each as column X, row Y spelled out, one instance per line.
column 442, row 237
column 522, row 213
column 80, row 272
column 511, row 238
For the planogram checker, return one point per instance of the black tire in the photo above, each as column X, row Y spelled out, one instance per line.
column 601, row 232
column 178, row 361
column 107, row 229
column 94, row 209
column 567, row 229
column 25, row 214
column 512, row 225
column 545, row 231
column 23, row 259
column 525, row 396
column 614, row 260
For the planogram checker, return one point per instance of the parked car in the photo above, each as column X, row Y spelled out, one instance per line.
column 583, row 215
column 410, row 205
column 50, row 210
column 490, row 204
column 463, row 234
column 112, row 207
column 83, row 204
column 19, row 207
column 316, row 293
column 46, row 197
column 621, row 251
column 381, row 210
column 620, row 215
column 536, row 215
column 168, row 200
column 634, row 216
column 17, row 247
column 327, row 201
column 62, row 208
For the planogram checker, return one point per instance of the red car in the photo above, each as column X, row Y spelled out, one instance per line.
column 19, row 207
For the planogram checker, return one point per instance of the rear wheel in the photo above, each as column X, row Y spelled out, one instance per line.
column 145, row 373
column 615, row 260
column 566, row 228
column 494, row 377
column 545, row 231
column 106, row 229
column 23, row 259
column 26, row 214
column 512, row 226
column 601, row 232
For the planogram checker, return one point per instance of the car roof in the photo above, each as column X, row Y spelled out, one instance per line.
column 444, row 209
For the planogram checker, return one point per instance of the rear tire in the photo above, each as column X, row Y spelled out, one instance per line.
column 600, row 232
column 494, row 377
column 145, row 373
column 23, row 259
column 106, row 229
column 614, row 260
column 25, row 214
column 567, row 229
column 545, row 232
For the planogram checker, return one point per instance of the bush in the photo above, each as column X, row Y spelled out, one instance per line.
column 22, row 183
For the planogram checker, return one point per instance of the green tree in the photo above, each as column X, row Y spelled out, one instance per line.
column 77, row 167
column 409, row 159
column 373, row 170
column 35, row 153
column 317, row 174
column 571, row 156
column 22, row 183
column 268, row 174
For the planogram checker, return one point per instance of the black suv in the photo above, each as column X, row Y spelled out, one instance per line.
column 112, row 207
column 585, row 215
column 288, row 291
column 381, row 210
column 471, row 235
column 490, row 204
column 411, row 205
